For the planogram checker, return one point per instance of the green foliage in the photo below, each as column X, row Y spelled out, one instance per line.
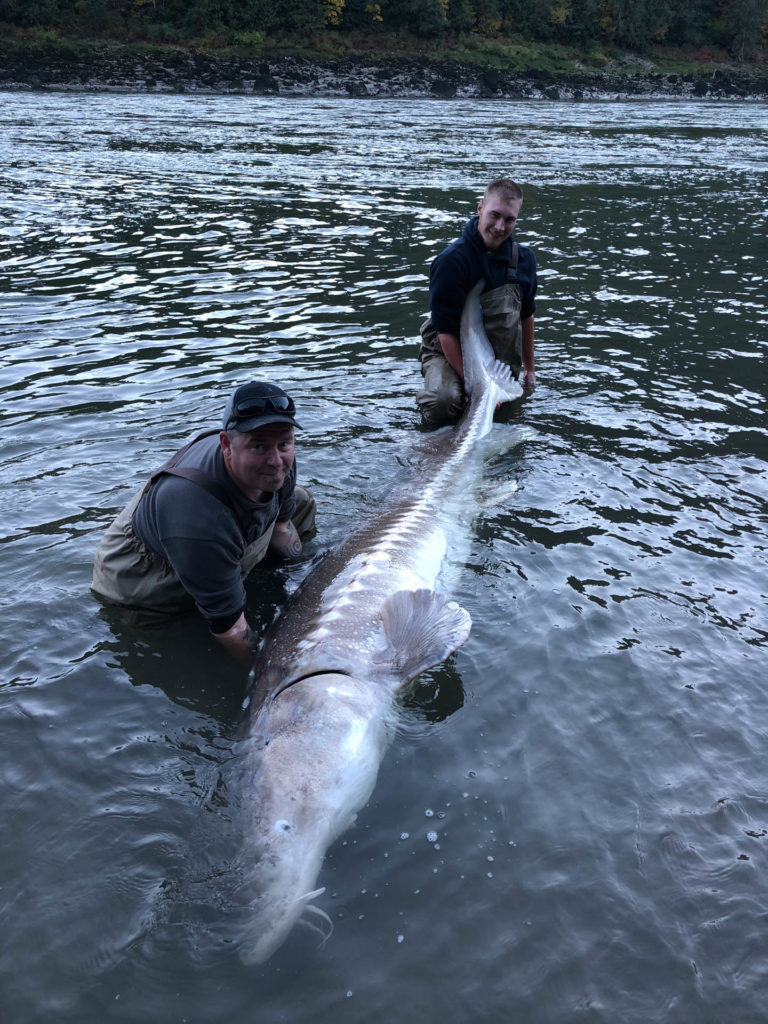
column 249, row 40
column 737, row 26
column 30, row 13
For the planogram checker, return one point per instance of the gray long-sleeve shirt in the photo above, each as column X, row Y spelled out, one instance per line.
column 203, row 539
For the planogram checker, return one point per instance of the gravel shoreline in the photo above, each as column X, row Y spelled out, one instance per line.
column 184, row 72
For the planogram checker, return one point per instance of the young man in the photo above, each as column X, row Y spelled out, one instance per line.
column 201, row 523
column 485, row 250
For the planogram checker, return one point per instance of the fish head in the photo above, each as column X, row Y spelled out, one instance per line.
column 309, row 765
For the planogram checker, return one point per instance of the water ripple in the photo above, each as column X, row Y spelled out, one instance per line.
column 596, row 749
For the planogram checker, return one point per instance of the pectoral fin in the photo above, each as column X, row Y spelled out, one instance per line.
column 422, row 628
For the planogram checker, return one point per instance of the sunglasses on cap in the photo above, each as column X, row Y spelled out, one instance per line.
column 248, row 408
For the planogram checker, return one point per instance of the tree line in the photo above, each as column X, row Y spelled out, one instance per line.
column 738, row 26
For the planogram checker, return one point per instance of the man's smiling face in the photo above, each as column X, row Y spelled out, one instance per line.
column 260, row 460
column 497, row 218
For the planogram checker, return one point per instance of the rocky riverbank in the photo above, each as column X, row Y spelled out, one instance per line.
column 119, row 69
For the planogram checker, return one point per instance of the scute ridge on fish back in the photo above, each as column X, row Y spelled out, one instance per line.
column 364, row 623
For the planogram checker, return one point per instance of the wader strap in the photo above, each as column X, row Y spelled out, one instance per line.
column 513, row 262
column 199, row 477
column 202, row 479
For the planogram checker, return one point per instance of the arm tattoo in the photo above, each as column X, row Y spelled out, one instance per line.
column 294, row 541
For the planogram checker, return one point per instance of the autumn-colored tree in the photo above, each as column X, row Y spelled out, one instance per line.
column 740, row 26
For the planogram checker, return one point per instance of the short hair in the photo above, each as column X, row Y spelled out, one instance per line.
column 507, row 189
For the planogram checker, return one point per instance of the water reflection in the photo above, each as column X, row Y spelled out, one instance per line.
column 177, row 657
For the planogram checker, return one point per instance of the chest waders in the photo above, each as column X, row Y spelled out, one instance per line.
column 501, row 319
column 442, row 400
column 127, row 573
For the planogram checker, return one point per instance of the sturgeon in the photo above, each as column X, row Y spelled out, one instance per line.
column 365, row 622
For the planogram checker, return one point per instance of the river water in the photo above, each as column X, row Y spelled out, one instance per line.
column 572, row 822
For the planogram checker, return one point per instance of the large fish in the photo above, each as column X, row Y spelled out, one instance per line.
column 365, row 622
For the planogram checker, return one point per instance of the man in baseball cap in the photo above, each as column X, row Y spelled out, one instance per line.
column 201, row 522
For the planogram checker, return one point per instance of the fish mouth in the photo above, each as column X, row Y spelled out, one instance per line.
column 257, row 946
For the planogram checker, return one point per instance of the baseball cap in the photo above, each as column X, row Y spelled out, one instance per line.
column 255, row 405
